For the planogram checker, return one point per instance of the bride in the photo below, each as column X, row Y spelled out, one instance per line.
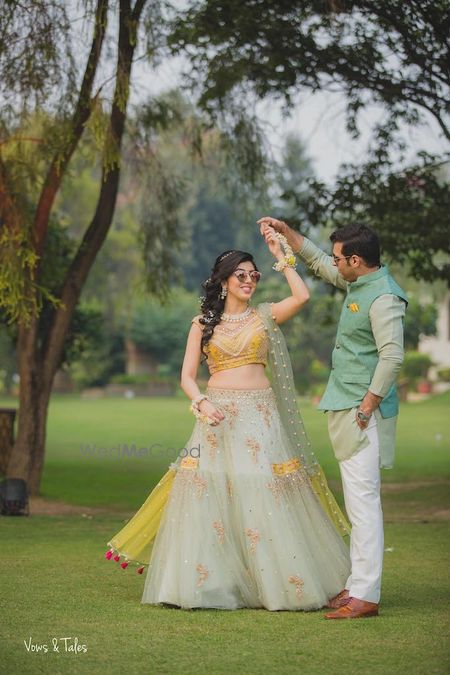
column 246, row 519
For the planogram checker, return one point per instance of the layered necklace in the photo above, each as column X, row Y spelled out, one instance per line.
column 236, row 317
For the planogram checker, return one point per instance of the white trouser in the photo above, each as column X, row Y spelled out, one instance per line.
column 361, row 483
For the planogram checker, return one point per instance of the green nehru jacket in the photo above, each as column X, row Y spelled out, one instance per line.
column 355, row 355
column 367, row 354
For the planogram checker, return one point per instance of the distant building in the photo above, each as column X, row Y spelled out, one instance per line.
column 438, row 346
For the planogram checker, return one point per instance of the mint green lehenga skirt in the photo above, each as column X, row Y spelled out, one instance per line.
column 243, row 525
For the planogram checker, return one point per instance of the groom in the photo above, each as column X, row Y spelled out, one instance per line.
column 361, row 397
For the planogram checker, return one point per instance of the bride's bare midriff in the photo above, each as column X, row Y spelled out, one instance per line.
column 251, row 376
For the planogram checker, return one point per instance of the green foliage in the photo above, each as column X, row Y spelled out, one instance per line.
column 17, row 263
column 420, row 319
column 416, row 365
column 444, row 374
column 35, row 54
column 21, row 163
column 319, row 372
column 162, row 329
column 85, row 332
column 101, row 356
column 293, row 177
column 390, row 53
column 8, row 364
column 359, row 48
column 409, row 210
column 199, row 185
column 310, row 334
column 168, row 138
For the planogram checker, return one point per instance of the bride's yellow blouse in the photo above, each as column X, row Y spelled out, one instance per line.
column 235, row 344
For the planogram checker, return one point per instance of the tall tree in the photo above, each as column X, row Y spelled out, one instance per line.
column 39, row 62
column 391, row 54
column 57, row 97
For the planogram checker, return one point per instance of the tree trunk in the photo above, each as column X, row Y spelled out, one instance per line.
column 27, row 456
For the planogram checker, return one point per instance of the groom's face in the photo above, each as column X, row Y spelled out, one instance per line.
column 348, row 266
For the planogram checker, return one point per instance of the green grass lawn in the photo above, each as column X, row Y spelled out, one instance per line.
column 164, row 425
column 55, row 583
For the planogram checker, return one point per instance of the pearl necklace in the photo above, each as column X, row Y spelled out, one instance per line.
column 236, row 317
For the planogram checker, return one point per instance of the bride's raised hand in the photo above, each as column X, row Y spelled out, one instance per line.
column 272, row 242
column 277, row 225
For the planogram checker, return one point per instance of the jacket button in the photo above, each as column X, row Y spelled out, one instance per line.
column 338, row 346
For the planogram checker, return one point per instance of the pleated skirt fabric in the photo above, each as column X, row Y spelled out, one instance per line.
column 243, row 526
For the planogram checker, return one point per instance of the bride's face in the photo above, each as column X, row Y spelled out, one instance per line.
column 240, row 284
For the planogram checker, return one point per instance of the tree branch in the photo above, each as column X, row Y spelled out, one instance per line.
column 98, row 229
column 137, row 11
column 80, row 116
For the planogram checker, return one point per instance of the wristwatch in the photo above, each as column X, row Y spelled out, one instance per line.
column 362, row 416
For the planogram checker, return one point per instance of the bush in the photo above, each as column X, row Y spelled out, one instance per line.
column 444, row 374
column 319, row 372
column 416, row 365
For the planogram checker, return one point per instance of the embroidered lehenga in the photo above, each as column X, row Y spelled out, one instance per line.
column 246, row 518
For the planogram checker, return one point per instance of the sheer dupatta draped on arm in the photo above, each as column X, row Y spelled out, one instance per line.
column 282, row 380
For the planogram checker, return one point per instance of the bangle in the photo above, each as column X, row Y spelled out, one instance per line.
column 200, row 416
column 196, row 411
column 197, row 400
column 281, row 265
column 289, row 257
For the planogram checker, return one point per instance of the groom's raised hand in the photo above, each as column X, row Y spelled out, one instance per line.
column 294, row 239
column 267, row 221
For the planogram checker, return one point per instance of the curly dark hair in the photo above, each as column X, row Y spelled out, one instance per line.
column 212, row 304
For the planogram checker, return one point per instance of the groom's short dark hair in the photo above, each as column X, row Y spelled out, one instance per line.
column 359, row 239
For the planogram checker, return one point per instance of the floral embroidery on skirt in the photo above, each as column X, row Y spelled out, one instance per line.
column 243, row 526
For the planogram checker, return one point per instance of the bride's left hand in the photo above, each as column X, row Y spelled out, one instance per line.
column 272, row 242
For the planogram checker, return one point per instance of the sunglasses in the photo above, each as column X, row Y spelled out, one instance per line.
column 242, row 275
column 342, row 257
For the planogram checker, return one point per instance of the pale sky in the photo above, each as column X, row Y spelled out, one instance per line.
column 319, row 121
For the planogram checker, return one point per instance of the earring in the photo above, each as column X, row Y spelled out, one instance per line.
column 223, row 293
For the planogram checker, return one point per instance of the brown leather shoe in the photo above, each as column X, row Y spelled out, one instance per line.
column 339, row 600
column 354, row 609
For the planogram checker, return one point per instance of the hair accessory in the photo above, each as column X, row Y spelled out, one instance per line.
column 226, row 255
column 209, row 316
